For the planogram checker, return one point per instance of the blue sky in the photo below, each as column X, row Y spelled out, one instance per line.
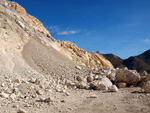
column 121, row 27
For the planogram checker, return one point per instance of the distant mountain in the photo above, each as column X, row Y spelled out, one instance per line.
column 139, row 63
column 115, row 60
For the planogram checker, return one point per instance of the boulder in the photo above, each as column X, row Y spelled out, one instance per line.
column 39, row 92
column 78, row 67
column 15, row 90
column 145, row 84
column 17, row 81
column 113, row 88
column 90, row 78
column 4, row 95
column 82, row 85
column 102, row 84
column 81, row 78
column 146, row 87
column 122, row 85
column 144, row 73
column 93, row 96
column 22, row 111
column 101, row 87
column 32, row 80
column 46, row 100
column 13, row 96
column 110, row 73
column 69, row 83
column 127, row 76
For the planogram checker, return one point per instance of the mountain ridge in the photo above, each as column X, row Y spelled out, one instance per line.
column 140, row 62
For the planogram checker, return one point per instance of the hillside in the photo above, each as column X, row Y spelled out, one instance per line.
column 115, row 60
column 139, row 63
column 39, row 74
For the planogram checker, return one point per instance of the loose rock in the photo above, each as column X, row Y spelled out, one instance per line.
column 93, row 96
column 146, row 87
column 122, row 85
column 4, row 95
column 22, row 111
column 113, row 88
column 39, row 92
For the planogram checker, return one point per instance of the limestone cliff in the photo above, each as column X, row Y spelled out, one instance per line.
column 31, row 20
column 67, row 48
column 81, row 56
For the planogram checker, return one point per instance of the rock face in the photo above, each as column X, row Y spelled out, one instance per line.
column 139, row 63
column 31, row 20
column 67, row 48
column 19, row 32
column 81, row 56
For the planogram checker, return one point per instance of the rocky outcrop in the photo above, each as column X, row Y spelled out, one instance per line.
column 81, row 56
column 67, row 48
column 31, row 20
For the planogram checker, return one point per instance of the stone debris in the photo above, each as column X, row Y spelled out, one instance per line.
column 13, row 96
column 102, row 84
column 46, row 100
column 144, row 73
column 80, row 78
column 69, row 83
column 93, row 96
column 42, row 86
column 17, row 81
column 22, row 111
column 15, row 106
column 78, row 67
column 122, row 85
column 15, row 90
column 3, row 85
column 32, row 80
column 90, row 78
column 4, row 95
column 146, row 84
column 21, row 24
column 63, row 101
column 113, row 88
column 39, row 92
column 81, row 85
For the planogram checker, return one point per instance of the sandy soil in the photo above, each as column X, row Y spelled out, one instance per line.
column 127, row 100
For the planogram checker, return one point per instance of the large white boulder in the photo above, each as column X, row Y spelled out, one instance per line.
column 127, row 76
column 102, row 84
